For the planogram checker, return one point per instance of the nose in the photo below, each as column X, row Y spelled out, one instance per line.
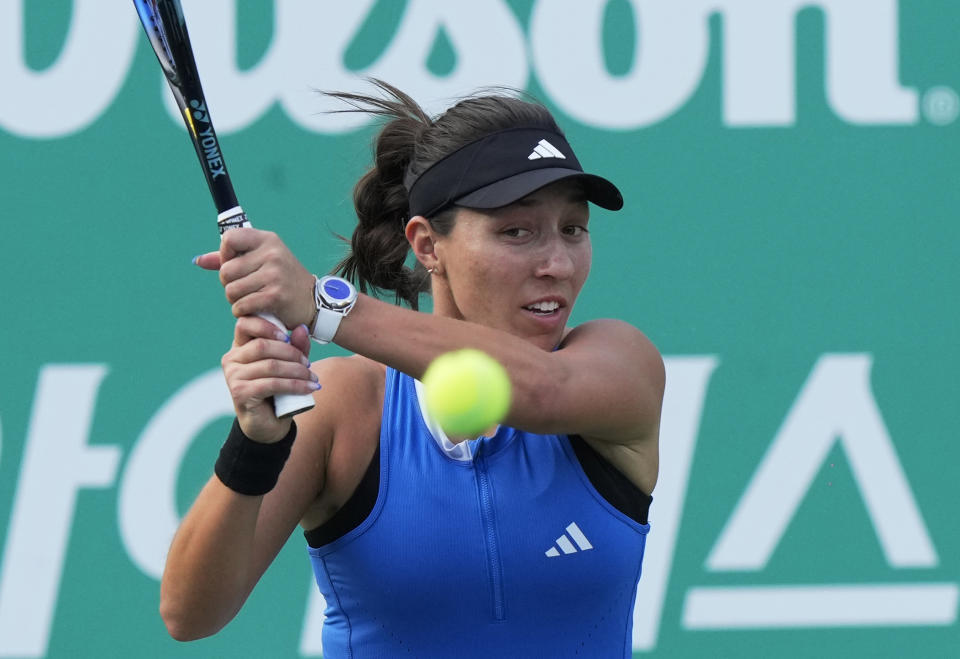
column 556, row 260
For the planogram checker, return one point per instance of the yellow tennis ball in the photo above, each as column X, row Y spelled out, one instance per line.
column 467, row 391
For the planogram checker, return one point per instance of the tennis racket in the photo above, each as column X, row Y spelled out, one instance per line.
column 166, row 28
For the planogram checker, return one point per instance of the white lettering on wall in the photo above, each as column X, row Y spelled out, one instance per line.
column 311, row 636
column 307, row 53
column 57, row 462
column 81, row 84
column 686, row 391
column 823, row 605
column 862, row 69
column 836, row 404
column 759, row 61
column 671, row 55
column 148, row 515
column 566, row 51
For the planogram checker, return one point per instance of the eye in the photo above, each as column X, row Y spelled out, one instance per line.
column 575, row 230
column 516, row 232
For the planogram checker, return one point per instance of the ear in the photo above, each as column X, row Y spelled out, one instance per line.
column 423, row 241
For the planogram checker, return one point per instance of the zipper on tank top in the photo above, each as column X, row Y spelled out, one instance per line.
column 490, row 532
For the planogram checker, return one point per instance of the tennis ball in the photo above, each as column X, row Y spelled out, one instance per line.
column 467, row 392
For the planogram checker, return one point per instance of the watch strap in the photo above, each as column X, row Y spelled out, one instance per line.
column 326, row 324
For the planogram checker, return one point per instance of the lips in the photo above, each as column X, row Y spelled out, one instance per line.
column 545, row 306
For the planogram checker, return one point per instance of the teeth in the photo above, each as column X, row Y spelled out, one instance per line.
column 545, row 306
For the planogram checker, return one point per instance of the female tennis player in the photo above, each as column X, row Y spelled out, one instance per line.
column 526, row 541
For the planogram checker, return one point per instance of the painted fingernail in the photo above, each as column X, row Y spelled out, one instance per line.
column 305, row 328
column 315, row 386
column 195, row 259
column 313, row 376
column 304, row 361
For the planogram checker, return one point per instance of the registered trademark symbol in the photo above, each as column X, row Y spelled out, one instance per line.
column 941, row 106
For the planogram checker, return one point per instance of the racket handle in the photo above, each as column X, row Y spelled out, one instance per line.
column 284, row 405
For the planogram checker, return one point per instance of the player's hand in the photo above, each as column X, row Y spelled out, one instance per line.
column 260, row 274
column 261, row 364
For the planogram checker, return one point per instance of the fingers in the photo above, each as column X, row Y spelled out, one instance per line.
column 239, row 241
column 256, row 382
column 256, row 283
column 208, row 261
column 260, row 274
column 259, row 358
column 257, row 339
column 262, row 364
column 300, row 338
column 253, row 327
column 234, row 244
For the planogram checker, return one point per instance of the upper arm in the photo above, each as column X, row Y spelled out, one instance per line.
column 612, row 395
column 322, row 452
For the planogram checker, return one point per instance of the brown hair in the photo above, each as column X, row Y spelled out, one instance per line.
column 411, row 138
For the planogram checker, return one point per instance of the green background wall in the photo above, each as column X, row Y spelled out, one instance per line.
column 791, row 246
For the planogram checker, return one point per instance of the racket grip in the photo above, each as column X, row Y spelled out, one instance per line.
column 284, row 405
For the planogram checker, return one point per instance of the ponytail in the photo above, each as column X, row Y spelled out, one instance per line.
column 378, row 248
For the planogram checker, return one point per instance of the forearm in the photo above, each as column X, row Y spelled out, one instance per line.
column 210, row 567
column 408, row 341
column 606, row 383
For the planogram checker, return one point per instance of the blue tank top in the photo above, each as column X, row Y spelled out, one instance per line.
column 498, row 546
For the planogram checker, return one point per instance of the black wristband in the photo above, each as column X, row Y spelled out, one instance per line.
column 249, row 467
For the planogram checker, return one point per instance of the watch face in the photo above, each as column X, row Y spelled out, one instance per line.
column 338, row 292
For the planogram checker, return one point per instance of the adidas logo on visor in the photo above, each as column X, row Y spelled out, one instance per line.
column 545, row 150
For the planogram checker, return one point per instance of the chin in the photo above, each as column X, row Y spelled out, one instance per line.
column 546, row 342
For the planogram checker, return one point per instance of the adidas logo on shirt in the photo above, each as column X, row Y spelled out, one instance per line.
column 545, row 150
column 566, row 546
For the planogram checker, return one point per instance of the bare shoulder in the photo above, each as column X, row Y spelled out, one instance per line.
column 344, row 379
column 616, row 339
column 344, row 429
column 622, row 333
column 349, row 401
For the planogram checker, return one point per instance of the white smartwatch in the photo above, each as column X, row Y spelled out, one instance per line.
column 335, row 298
